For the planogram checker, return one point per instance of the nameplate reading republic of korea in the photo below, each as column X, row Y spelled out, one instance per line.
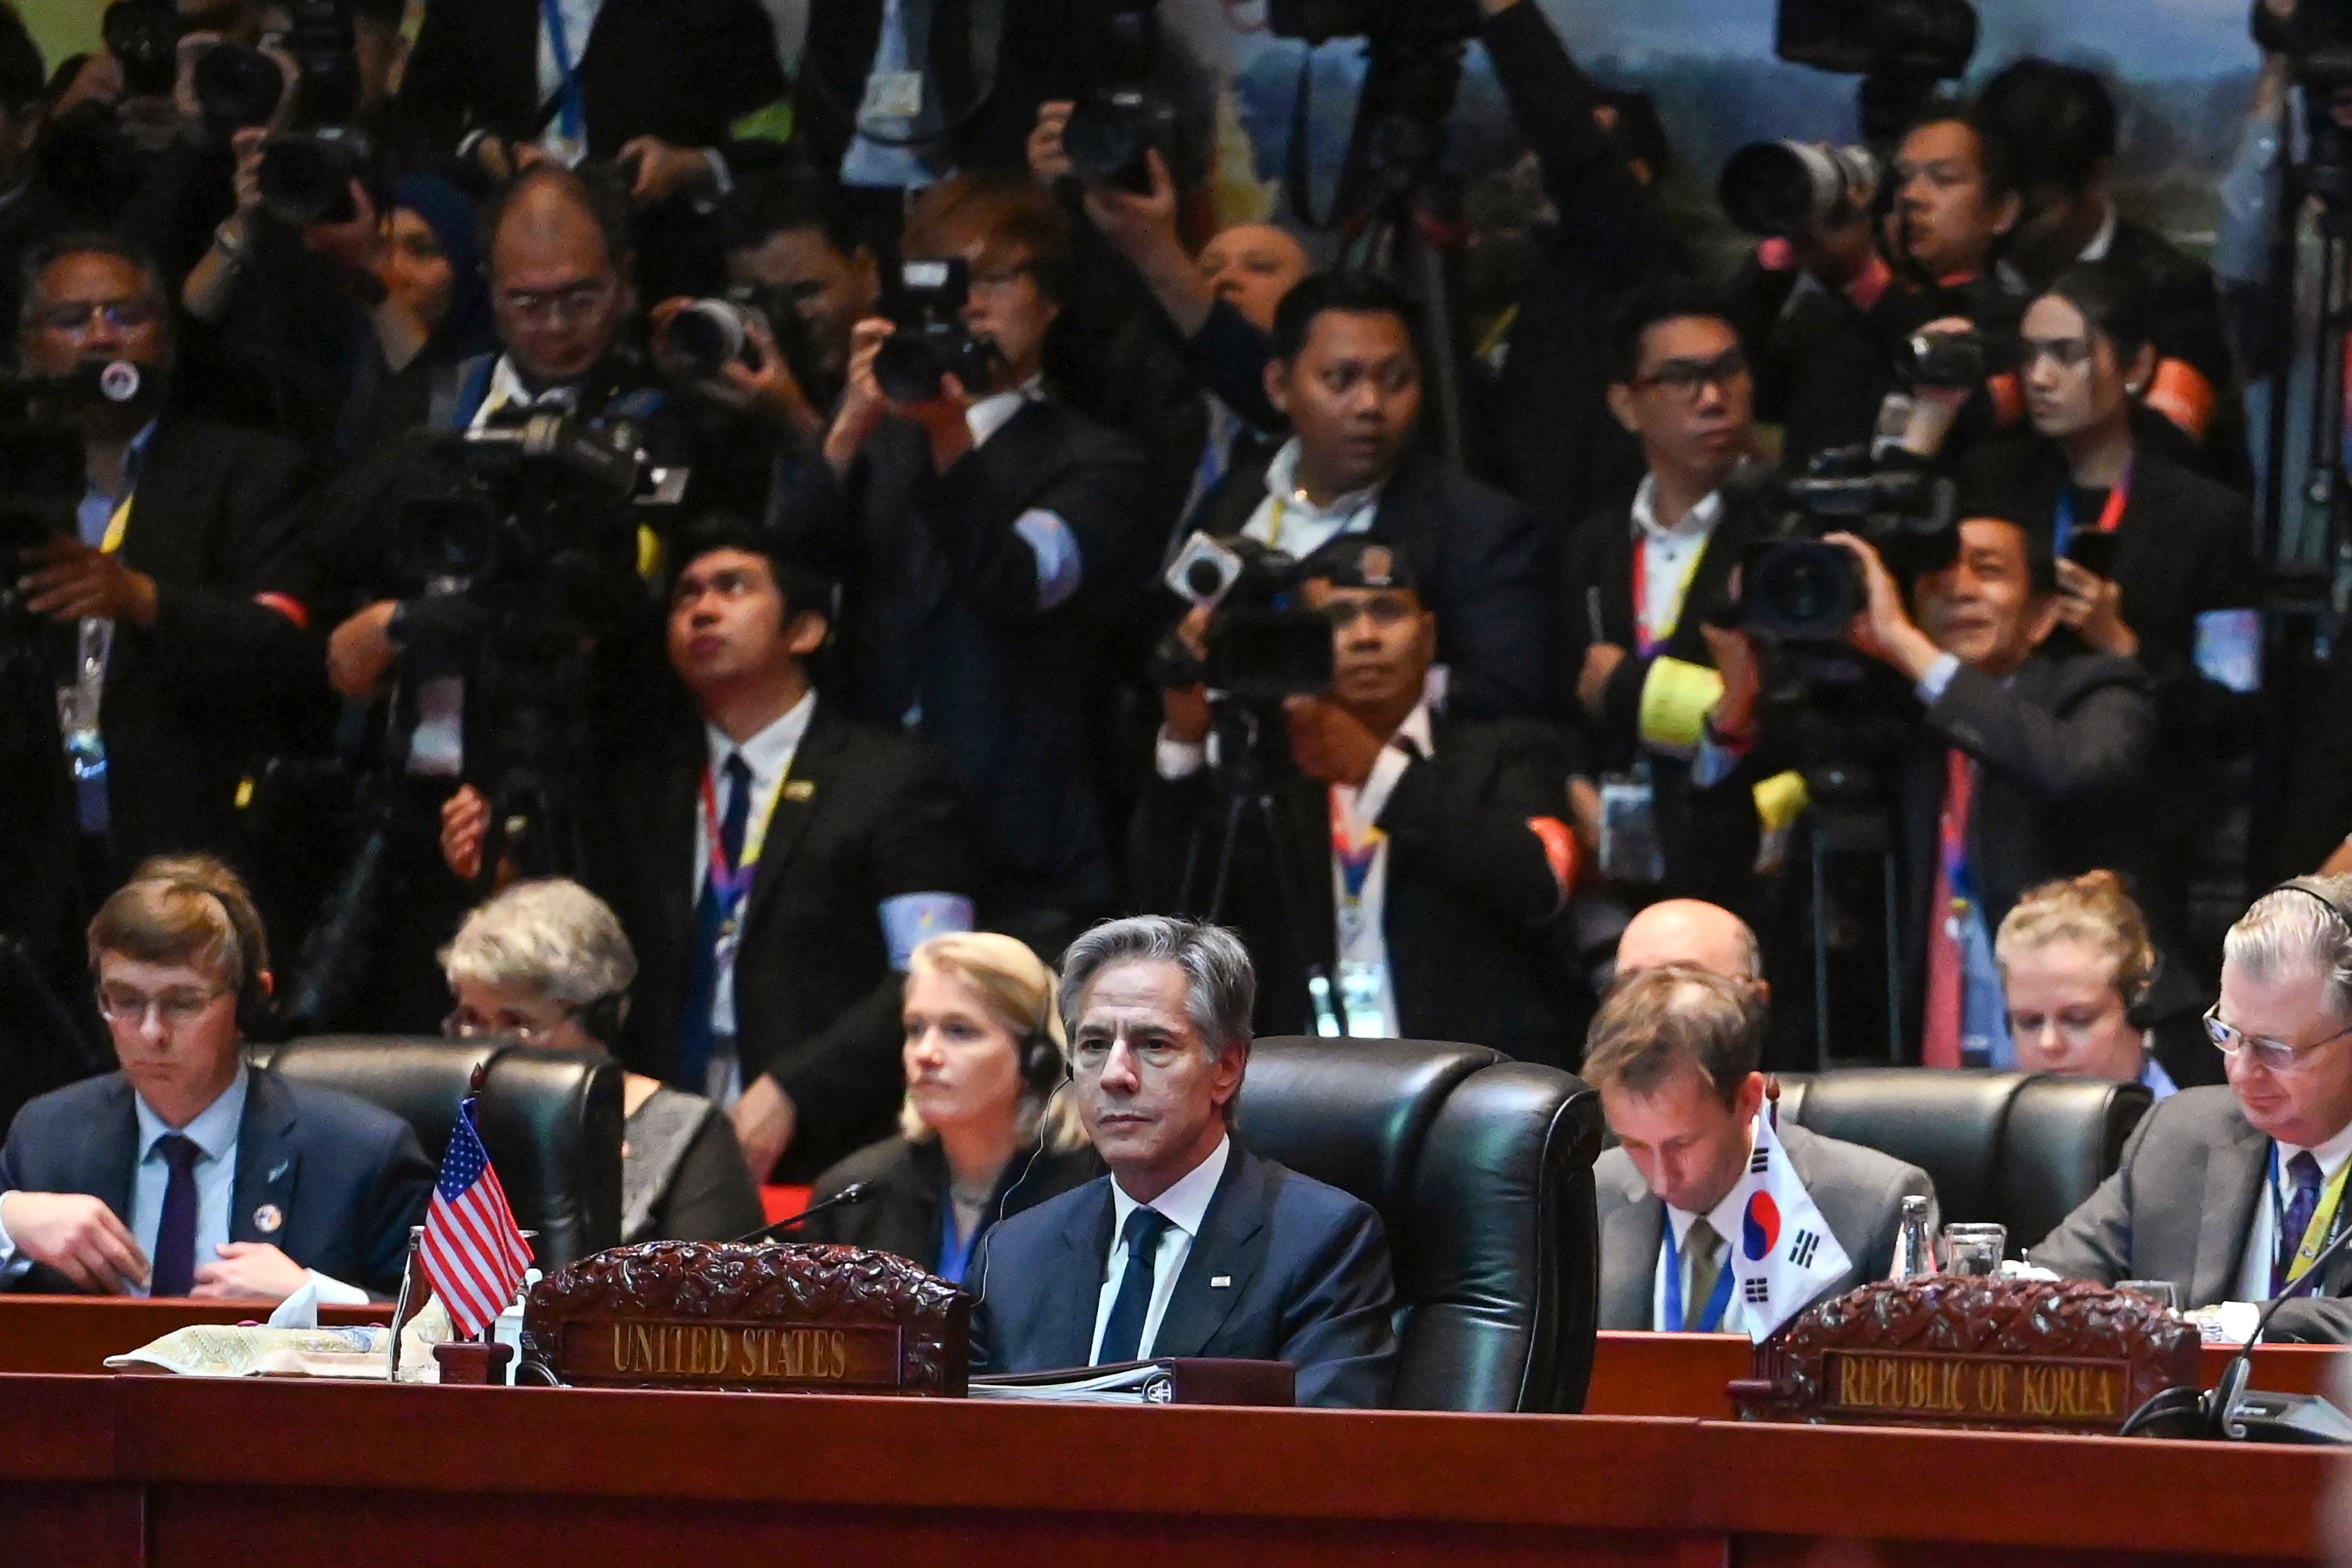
column 1947, row 1350
column 776, row 1318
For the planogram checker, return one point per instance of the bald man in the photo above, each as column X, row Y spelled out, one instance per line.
column 1697, row 935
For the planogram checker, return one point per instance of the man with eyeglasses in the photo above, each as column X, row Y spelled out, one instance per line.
column 167, row 676
column 775, row 867
column 187, row 1172
column 2230, row 1192
column 1406, row 880
column 1347, row 374
column 1637, row 587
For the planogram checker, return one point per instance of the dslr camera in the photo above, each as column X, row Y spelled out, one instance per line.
column 709, row 335
column 1785, row 189
column 931, row 340
column 143, row 36
column 1260, row 650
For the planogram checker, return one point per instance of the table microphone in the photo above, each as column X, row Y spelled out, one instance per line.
column 856, row 1192
column 2235, row 1413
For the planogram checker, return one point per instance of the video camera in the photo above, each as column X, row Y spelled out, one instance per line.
column 1796, row 588
column 1900, row 48
column 1260, row 650
column 931, row 340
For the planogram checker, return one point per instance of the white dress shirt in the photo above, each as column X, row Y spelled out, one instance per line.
column 214, row 1132
column 1184, row 1205
column 1670, row 556
column 2263, row 1239
column 1725, row 1218
column 1288, row 520
column 769, row 754
column 1367, row 987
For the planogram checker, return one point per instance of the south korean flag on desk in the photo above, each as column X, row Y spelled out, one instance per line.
column 1784, row 1253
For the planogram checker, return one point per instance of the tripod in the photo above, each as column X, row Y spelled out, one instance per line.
column 1246, row 775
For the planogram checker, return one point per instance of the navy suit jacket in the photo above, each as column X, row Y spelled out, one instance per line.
column 348, row 1177
column 1308, row 1272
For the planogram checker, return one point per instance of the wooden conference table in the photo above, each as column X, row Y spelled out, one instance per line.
column 139, row 1470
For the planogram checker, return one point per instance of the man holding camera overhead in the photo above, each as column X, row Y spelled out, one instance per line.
column 1001, row 538
column 1384, row 818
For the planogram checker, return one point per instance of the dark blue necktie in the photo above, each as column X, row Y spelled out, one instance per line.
column 1123, row 1334
column 2305, row 1170
column 175, row 1239
column 711, row 913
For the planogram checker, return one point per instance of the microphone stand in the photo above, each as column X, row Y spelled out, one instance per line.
column 856, row 1192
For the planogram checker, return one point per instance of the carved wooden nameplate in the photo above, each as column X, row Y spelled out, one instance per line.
column 780, row 1318
column 1975, row 1353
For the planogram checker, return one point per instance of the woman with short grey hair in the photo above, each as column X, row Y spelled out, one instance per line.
column 547, row 962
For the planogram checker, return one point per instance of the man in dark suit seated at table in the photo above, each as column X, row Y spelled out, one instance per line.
column 1673, row 1053
column 2230, row 1192
column 188, row 1172
column 1191, row 1246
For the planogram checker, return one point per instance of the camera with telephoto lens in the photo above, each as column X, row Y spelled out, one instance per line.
column 237, row 86
column 143, row 36
column 1798, row 588
column 708, row 335
column 1431, row 21
column 1784, row 189
column 931, row 340
column 308, row 170
column 1110, row 132
column 1261, row 651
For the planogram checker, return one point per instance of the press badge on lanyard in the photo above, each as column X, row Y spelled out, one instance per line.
column 1363, row 984
column 1630, row 850
column 730, row 882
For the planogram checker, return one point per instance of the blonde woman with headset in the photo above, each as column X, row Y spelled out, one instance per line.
column 985, row 1130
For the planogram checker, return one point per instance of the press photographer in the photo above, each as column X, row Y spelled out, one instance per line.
column 1393, row 870
column 1000, row 539
column 161, row 682
column 2023, row 760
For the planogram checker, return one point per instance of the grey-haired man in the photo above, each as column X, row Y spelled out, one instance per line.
column 1191, row 1246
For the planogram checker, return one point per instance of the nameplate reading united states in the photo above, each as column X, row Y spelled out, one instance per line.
column 778, row 1318
column 1946, row 1351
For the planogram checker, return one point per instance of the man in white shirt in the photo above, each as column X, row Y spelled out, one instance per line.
column 187, row 1172
column 1674, row 1052
column 2233, row 1193
column 1190, row 1246
column 1431, row 850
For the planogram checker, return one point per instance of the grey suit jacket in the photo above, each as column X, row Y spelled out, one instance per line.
column 1859, row 1190
column 2180, row 1207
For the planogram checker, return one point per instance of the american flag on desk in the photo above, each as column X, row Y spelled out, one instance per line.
column 472, row 1251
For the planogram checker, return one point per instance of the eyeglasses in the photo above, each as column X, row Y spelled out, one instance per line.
column 122, row 315
column 573, row 302
column 465, row 1023
column 1686, row 378
column 2066, row 353
column 2276, row 1056
column 177, row 1009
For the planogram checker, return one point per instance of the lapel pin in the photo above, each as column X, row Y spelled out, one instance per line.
column 279, row 1169
column 267, row 1219
column 1220, row 1281
column 799, row 789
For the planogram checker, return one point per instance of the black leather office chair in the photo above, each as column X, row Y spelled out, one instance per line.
column 550, row 1121
column 1481, row 1168
column 2022, row 1150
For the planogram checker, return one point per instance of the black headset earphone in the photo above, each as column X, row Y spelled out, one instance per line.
column 604, row 1020
column 2316, row 888
column 254, row 1016
column 1043, row 1066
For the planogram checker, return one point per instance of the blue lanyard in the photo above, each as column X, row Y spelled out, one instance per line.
column 1717, row 1303
column 954, row 1259
column 568, row 95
